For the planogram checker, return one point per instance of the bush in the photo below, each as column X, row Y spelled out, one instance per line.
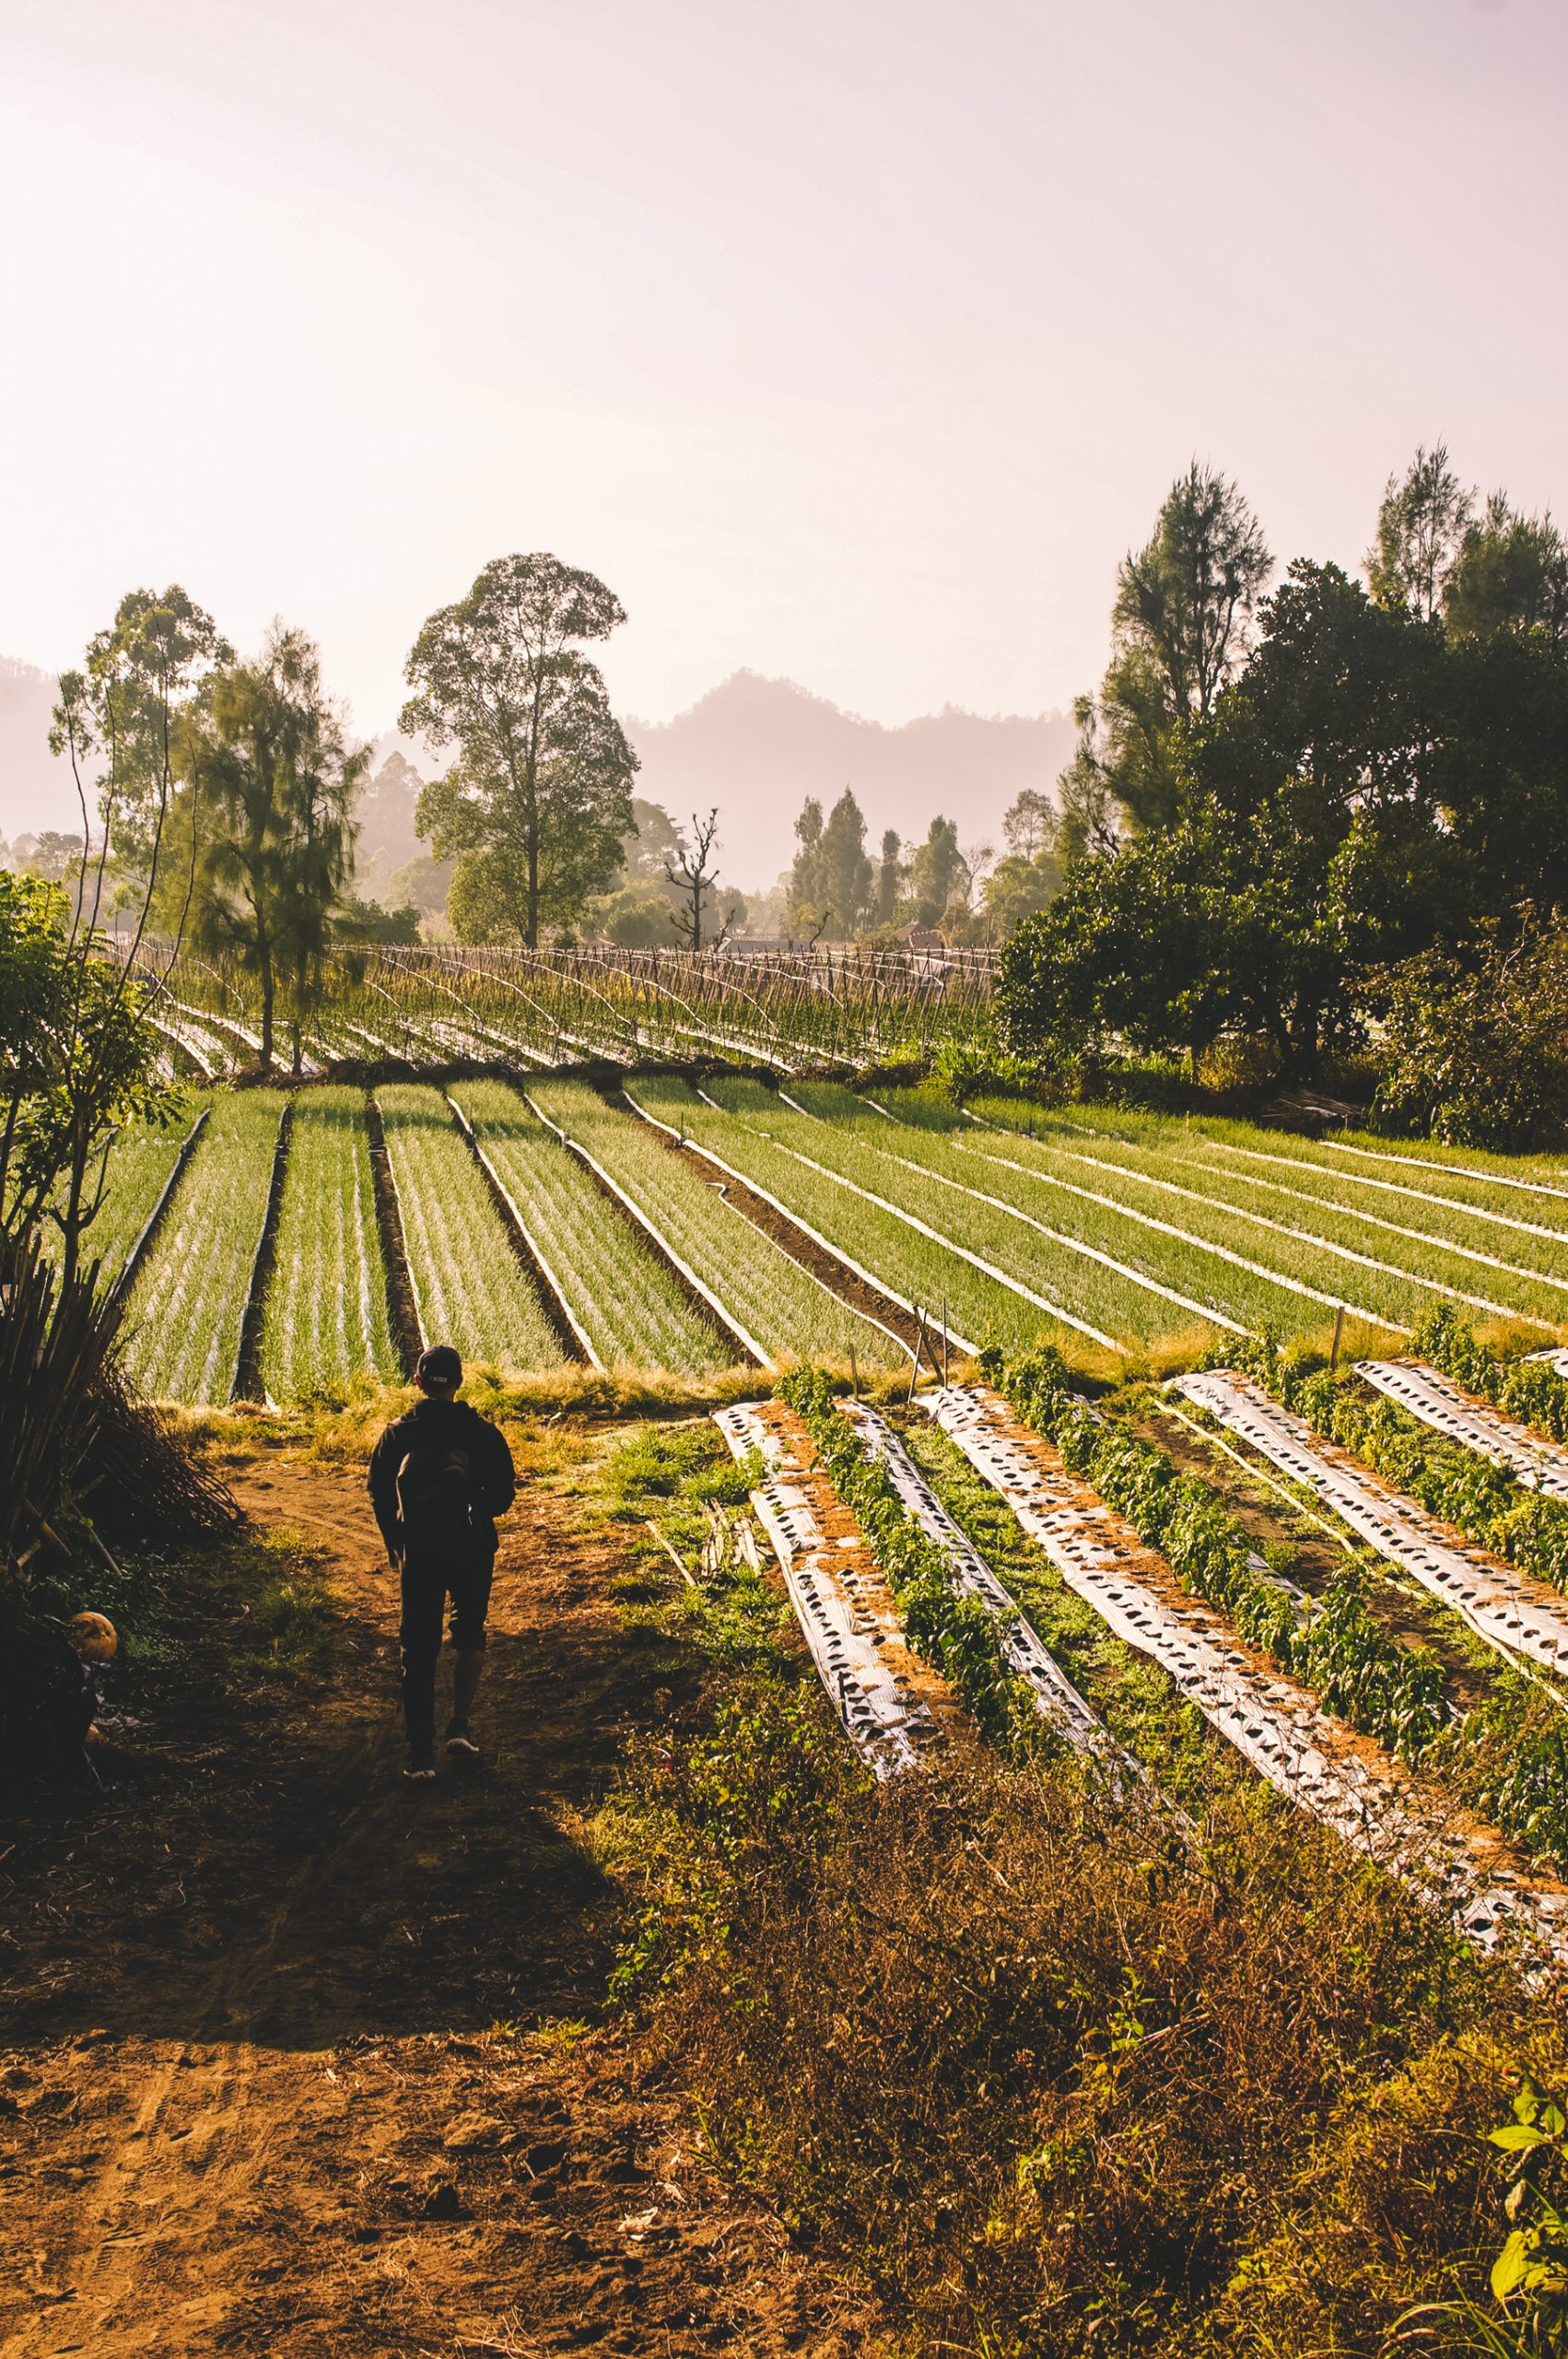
column 1478, row 1049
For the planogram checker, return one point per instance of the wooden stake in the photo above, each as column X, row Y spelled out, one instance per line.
column 915, row 1364
column 945, row 1341
column 1338, row 1331
column 854, row 1371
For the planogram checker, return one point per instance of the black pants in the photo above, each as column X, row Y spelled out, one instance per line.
column 428, row 1582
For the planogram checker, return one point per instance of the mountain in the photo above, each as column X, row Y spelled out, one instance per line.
column 757, row 748
column 36, row 790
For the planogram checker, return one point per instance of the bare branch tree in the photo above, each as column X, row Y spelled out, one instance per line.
column 694, row 873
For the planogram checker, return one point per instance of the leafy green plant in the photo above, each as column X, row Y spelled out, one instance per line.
column 1392, row 1692
column 1487, row 1502
column 1529, row 2276
column 1530, row 1390
column 952, row 1630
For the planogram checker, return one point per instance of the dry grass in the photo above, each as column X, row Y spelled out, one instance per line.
column 1056, row 2086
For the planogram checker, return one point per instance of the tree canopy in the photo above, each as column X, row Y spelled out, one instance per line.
column 536, row 807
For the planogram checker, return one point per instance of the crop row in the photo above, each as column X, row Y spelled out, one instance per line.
column 189, row 1298
column 628, row 1304
column 787, row 1311
column 326, row 1307
column 1504, row 1758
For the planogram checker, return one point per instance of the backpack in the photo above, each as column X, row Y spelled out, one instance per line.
column 435, row 1494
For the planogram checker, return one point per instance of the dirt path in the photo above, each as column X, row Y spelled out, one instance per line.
column 296, row 2060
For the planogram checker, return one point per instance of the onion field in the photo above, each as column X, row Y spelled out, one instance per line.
column 141, row 1165
column 785, row 1312
column 541, row 1220
column 326, row 1307
column 189, row 1298
column 470, row 1287
column 624, row 1303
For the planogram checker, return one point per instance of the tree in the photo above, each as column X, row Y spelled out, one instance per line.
column 890, row 880
column 692, row 872
column 653, row 841
column 1421, row 523
column 1029, row 824
column 78, row 1060
column 639, row 917
column 271, row 783
column 1180, row 629
column 938, row 874
column 846, row 871
column 51, row 854
column 1091, row 810
column 1510, row 574
column 806, row 894
column 1478, row 1046
column 538, row 803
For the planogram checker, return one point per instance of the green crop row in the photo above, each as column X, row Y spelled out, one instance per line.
column 469, row 1283
column 1487, row 1502
column 787, row 1310
column 1495, row 1225
column 628, row 1305
column 1506, row 1757
column 1530, row 1390
column 189, row 1297
column 1391, row 1692
column 326, row 1308
column 952, row 1630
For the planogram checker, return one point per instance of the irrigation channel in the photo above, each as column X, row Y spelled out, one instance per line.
column 896, row 1717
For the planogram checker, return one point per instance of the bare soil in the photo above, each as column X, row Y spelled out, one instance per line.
column 301, row 2059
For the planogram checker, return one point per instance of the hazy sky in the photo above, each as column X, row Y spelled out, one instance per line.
column 847, row 341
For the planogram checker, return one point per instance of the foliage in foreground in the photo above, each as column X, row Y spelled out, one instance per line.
column 1054, row 2089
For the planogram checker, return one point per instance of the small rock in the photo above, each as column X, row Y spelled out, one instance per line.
column 442, row 2200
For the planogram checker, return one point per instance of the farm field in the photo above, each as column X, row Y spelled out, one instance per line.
column 926, row 1243
column 1499, row 1248
column 628, row 1304
column 189, row 1297
column 143, row 1159
column 787, row 1311
column 470, row 1288
column 326, row 1307
column 1139, row 1236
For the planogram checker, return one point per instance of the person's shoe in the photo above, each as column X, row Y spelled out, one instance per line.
column 460, row 1743
column 421, row 1770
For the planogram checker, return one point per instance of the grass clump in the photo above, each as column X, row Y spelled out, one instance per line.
column 1050, row 2088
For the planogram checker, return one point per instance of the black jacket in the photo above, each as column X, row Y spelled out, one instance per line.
column 445, row 1425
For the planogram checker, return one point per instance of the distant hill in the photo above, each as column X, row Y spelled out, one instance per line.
column 35, row 790
column 757, row 748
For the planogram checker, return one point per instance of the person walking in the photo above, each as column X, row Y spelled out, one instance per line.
column 439, row 1475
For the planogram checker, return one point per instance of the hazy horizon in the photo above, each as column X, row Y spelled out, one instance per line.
column 849, row 347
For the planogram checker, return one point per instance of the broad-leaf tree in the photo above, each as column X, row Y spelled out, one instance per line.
column 538, row 803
